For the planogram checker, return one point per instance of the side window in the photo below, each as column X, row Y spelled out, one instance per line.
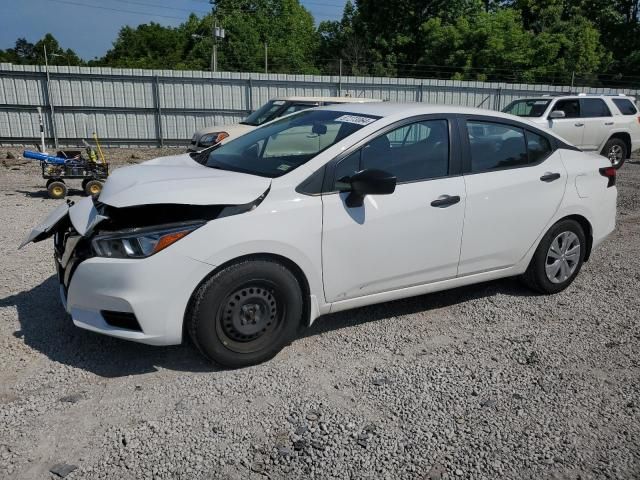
column 418, row 151
column 625, row 106
column 571, row 108
column 345, row 169
column 538, row 147
column 495, row 146
column 594, row 107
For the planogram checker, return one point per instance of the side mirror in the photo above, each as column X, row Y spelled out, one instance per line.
column 557, row 114
column 369, row 182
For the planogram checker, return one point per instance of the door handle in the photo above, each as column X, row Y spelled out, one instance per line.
column 608, row 123
column 579, row 124
column 550, row 177
column 444, row 201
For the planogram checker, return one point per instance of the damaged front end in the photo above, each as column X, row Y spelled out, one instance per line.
column 90, row 228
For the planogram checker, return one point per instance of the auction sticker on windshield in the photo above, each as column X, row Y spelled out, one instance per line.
column 357, row 119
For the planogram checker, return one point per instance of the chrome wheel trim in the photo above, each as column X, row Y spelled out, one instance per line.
column 615, row 154
column 563, row 257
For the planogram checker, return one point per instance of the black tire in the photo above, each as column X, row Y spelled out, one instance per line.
column 616, row 151
column 84, row 184
column 246, row 313
column 92, row 188
column 536, row 276
column 57, row 189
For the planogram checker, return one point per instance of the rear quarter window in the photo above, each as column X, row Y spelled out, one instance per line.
column 625, row 106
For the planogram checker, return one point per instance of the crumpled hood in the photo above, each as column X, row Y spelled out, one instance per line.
column 179, row 180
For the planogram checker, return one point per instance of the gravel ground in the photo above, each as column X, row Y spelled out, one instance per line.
column 483, row 382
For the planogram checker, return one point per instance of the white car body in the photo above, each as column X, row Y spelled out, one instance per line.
column 283, row 106
column 393, row 246
column 588, row 127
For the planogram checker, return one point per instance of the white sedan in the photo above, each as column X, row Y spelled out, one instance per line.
column 321, row 211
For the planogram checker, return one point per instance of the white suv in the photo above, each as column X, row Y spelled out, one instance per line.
column 608, row 124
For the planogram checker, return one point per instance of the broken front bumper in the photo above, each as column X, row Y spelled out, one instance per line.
column 154, row 291
column 99, row 293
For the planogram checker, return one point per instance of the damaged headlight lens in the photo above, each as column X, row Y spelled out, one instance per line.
column 140, row 242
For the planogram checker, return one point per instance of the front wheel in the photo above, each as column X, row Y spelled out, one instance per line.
column 616, row 151
column 92, row 188
column 558, row 258
column 246, row 313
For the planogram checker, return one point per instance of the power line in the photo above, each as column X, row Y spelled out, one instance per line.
column 155, row 5
column 100, row 7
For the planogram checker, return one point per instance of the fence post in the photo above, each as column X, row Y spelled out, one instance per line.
column 158, row 115
column 250, row 94
column 340, row 79
column 52, row 113
column 498, row 99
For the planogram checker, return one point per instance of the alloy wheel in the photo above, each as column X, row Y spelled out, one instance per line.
column 615, row 155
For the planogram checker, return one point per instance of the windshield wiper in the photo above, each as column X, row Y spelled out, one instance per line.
column 247, row 123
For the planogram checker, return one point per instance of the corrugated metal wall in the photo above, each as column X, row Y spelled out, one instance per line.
column 165, row 107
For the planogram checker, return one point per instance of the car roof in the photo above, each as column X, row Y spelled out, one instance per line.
column 403, row 110
column 580, row 95
column 329, row 99
column 387, row 109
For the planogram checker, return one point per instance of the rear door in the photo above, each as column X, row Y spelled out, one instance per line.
column 571, row 128
column 515, row 181
column 598, row 121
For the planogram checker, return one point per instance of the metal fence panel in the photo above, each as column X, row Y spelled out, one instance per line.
column 164, row 107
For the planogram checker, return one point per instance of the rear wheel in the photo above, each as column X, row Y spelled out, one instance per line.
column 616, row 151
column 56, row 189
column 246, row 313
column 558, row 258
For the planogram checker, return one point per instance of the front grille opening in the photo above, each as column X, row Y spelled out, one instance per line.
column 125, row 320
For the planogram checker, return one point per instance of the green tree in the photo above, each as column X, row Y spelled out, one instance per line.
column 148, row 46
column 26, row 53
column 285, row 25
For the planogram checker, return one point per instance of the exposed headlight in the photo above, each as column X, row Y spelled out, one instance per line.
column 140, row 242
column 212, row 138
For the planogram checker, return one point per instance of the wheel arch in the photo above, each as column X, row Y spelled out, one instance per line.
column 586, row 227
column 295, row 269
column 625, row 137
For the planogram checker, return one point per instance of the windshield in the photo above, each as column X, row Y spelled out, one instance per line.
column 264, row 113
column 283, row 145
column 527, row 108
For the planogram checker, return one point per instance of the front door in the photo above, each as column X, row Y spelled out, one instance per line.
column 571, row 127
column 514, row 187
column 398, row 240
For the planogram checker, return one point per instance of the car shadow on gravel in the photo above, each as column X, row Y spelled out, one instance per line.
column 45, row 327
column 408, row 306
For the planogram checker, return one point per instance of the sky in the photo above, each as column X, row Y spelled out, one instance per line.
column 89, row 26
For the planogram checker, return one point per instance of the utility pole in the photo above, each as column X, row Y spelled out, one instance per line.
column 214, row 32
column 266, row 57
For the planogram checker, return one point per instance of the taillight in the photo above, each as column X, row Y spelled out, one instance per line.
column 610, row 173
